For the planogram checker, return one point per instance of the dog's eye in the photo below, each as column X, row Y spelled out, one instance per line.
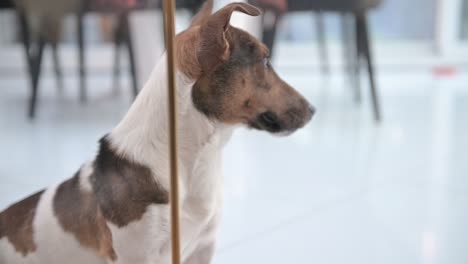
column 266, row 63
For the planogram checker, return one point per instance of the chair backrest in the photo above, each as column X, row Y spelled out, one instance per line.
column 322, row 5
column 46, row 8
column 116, row 6
column 6, row 4
column 119, row 5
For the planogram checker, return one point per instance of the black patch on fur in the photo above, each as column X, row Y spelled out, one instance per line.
column 124, row 189
column 79, row 214
column 16, row 223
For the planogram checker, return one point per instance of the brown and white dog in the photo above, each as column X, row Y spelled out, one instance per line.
column 115, row 208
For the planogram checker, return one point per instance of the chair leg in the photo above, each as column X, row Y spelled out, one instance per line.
column 26, row 41
column 350, row 57
column 117, row 45
column 131, row 54
column 362, row 26
column 356, row 56
column 81, row 56
column 25, row 35
column 57, row 66
column 270, row 22
column 36, row 61
column 322, row 45
column 33, row 57
column 359, row 53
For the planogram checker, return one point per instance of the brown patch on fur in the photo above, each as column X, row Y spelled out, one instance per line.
column 203, row 46
column 214, row 47
column 186, row 46
column 188, row 42
column 16, row 223
column 124, row 189
column 78, row 213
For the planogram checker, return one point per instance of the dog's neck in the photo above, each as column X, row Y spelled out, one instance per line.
column 143, row 135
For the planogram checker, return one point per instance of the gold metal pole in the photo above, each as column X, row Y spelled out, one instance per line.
column 169, row 10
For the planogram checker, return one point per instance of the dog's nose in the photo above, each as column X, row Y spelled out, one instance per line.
column 312, row 110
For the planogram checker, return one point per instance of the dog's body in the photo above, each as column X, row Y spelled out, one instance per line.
column 145, row 239
column 115, row 209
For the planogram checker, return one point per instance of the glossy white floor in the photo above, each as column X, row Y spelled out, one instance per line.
column 342, row 190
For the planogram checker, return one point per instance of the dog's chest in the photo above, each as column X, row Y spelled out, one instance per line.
column 201, row 200
column 201, row 194
column 149, row 237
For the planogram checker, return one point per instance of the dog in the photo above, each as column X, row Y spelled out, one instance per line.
column 115, row 209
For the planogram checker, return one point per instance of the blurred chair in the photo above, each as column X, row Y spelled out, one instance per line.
column 40, row 24
column 5, row 4
column 123, row 36
column 356, row 33
column 122, row 32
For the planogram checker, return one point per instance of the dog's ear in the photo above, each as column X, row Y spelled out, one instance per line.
column 202, row 16
column 214, row 47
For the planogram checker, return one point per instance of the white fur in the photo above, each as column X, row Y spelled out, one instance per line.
column 8, row 254
column 85, row 172
column 142, row 136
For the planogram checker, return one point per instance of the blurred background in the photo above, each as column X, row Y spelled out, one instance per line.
column 379, row 176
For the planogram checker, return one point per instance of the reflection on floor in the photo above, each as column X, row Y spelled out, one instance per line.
column 342, row 190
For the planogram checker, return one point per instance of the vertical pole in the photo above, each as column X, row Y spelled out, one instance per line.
column 169, row 10
column 81, row 53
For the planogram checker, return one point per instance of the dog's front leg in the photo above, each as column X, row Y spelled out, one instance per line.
column 204, row 251
column 203, row 254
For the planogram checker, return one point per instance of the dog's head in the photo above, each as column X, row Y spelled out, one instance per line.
column 235, row 82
